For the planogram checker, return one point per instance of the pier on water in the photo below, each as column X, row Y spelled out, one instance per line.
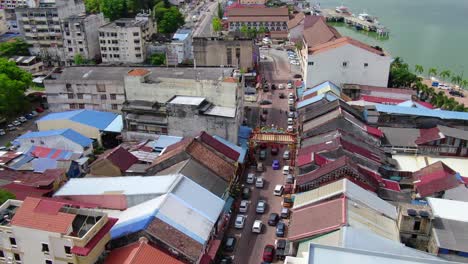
column 333, row 16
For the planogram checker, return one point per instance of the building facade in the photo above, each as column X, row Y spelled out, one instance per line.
column 31, row 64
column 252, row 2
column 47, row 231
column 92, row 88
column 227, row 50
column 346, row 60
column 12, row 4
column 41, row 27
column 80, row 37
column 3, row 22
column 180, row 48
column 273, row 20
column 124, row 40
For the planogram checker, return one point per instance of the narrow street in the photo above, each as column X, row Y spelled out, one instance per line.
column 249, row 249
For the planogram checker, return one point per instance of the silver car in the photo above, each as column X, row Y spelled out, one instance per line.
column 261, row 206
column 240, row 221
column 244, row 206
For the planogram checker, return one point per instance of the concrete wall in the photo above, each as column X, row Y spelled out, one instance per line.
column 217, row 92
column 328, row 66
column 213, row 52
column 58, row 142
column 90, row 132
column 3, row 22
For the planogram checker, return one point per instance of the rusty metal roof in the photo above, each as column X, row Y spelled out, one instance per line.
column 274, row 138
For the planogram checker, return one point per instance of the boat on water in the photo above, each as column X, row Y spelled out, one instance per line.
column 342, row 9
column 367, row 17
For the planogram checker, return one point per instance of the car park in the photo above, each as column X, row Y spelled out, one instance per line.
column 250, row 178
column 278, row 191
column 244, row 206
column 260, row 167
column 240, row 221
column 280, row 229
column 263, row 154
column 257, row 227
column 230, row 243
column 261, row 207
column 286, row 154
column 259, row 182
column 245, row 193
column 268, row 253
column 284, row 213
column 275, row 165
column 273, row 219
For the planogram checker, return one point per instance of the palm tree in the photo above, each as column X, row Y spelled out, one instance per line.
column 464, row 84
column 457, row 79
column 459, row 108
column 445, row 74
column 432, row 72
column 418, row 69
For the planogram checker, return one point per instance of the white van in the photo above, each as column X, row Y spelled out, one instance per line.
column 257, row 227
column 291, row 101
column 286, row 170
column 291, row 96
column 290, row 121
column 278, row 190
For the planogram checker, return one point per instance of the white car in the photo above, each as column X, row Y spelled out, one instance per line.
column 250, row 178
column 278, row 191
column 289, row 85
column 259, row 182
column 290, row 129
column 2, row 132
column 290, row 121
column 244, row 206
column 286, row 154
column 240, row 221
column 263, row 57
column 290, row 101
column 281, row 86
column 261, row 207
column 290, row 95
column 257, row 227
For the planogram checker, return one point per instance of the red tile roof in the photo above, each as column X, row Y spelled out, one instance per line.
column 140, row 253
column 84, row 251
column 211, row 160
column 428, row 135
column 318, row 32
column 305, row 159
column 341, row 42
column 22, row 191
column 219, row 146
column 296, row 20
column 435, row 178
column 29, row 216
column 327, row 168
column 33, row 179
column 374, row 131
column 120, row 157
column 317, row 219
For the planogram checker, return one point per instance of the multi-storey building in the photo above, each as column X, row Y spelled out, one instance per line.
column 41, row 27
column 3, row 22
column 12, row 4
column 180, row 48
column 124, row 40
column 49, row 231
column 81, row 37
column 273, row 20
column 30, row 64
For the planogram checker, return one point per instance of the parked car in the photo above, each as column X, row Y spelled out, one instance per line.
column 261, row 207
column 278, row 191
column 286, row 170
column 2, row 148
column 225, row 260
column 284, row 213
column 257, row 227
column 280, row 229
column 281, row 86
column 290, row 129
column 275, row 165
column 245, row 193
column 265, row 102
column 290, row 179
column 282, row 96
column 16, row 123
column 2, row 132
column 298, row 76
column 244, row 206
column 263, row 117
column 292, row 108
column 289, row 85
column 11, row 127
column 287, row 201
column 292, row 114
column 268, row 253
column 263, row 154
column 250, row 178
column 29, row 116
column 34, row 113
column 39, row 109
column 240, row 221
column 260, row 167
column 274, row 151
column 273, row 219
column 286, row 154
column 290, row 121
column 291, row 101
column 273, row 86
column 259, row 182
column 456, row 93
column 22, row 119
column 230, row 243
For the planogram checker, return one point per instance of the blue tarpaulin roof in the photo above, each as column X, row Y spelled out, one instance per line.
column 442, row 114
column 91, row 118
column 244, row 135
column 67, row 133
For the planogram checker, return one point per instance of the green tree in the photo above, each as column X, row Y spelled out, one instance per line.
column 457, row 79
column 112, row 9
column 92, row 6
column 171, row 20
column 217, row 26
column 5, row 195
column 432, row 72
column 400, row 75
column 252, row 32
column 464, row 84
column 14, row 47
column 13, row 83
column 158, row 59
column 78, row 59
column 459, row 108
column 445, row 74
column 220, row 11
column 158, row 11
column 244, row 30
column 418, row 69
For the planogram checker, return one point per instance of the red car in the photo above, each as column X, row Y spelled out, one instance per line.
column 39, row 109
column 268, row 253
column 274, row 150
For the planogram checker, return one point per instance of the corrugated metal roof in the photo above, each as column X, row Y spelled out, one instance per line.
column 67, row 133
column 130, row 185
column 449, row 209
column 324, row 87
column 450, row 234
column 164, row 141
column 242, row 152
column 97, row 119
column 442, row 114
column 42, row 164
column 219, row 146
column 329, row 96
column 115, row 126
column 276, row 138
column 140, row 253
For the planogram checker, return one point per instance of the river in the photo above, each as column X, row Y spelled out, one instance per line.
column 432, row 33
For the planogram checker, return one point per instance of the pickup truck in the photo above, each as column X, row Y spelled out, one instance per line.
column 284, row 248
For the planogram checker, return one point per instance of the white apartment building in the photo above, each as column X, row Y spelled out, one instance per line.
column 41, row 27
column 49, row 232
column 81, row 37
column 124, row 40
column 12, row 4
column 346, row 60
column 3, row 22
